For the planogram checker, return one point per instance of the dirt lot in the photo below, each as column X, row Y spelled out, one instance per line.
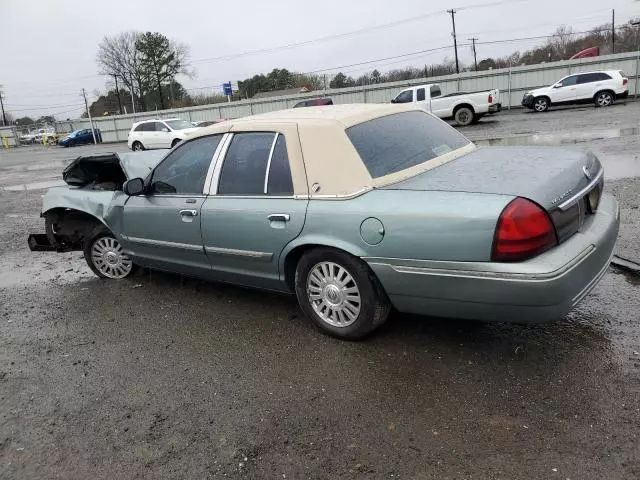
column 164, row 377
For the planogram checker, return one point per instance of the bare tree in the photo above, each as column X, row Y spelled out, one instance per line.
column 118, row 55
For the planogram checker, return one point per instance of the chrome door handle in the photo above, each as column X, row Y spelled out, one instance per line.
column 279, row 217
column 188, row 213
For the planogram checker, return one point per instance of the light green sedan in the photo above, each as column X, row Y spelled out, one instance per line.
column 354, row 208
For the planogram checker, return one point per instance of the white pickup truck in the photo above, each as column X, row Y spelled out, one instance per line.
column 465, row 108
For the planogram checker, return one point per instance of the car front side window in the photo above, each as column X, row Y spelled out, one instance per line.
column 405, row 97
column 569, row 81
column 184, row 170
column 245, row 165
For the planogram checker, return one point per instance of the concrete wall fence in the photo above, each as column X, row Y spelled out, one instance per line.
column 512, row 82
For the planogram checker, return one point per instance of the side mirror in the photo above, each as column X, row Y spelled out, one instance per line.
column 165, row 130
column 394, row 100
column 133, row 187
column 557, row 85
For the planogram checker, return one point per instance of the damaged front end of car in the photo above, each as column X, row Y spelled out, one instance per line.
column 93, row 198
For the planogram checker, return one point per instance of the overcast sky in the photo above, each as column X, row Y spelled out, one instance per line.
column 49, row 46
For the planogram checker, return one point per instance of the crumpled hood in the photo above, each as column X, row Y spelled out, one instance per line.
column 139, row 164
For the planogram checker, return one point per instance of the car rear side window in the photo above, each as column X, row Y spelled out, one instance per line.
column 245, row 165
column 279, row 181
column 184, row 170
column 420, row 94
column 435, row 91
column 395, row 142
column 593, row 77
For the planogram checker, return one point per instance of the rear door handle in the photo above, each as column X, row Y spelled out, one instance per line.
column 279, row 217
column 188, row 213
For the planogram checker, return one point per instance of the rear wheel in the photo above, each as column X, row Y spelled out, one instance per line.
column 105, row 255
column 464, row 116
column 541, row 104
column 340, row 294
column 603, row 99
column 137, row 146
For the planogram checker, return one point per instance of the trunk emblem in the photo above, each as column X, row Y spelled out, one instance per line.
column 587, row 172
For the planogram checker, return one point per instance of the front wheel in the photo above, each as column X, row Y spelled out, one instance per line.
column 105, row 255
column 541, row 104
column 340, row 294
column 137, row 147
column 464, row 116
column 603, row 99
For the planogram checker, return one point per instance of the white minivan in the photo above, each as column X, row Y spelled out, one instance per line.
column 165, row 133
column 600, row 88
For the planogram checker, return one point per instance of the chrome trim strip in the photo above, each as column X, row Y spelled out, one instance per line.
column 215, row 178
column 232, row 252
column 347, row 196
column 212, row 165
column 484, row 274
column 162, row 243
column 266, row 173
column 573, row 200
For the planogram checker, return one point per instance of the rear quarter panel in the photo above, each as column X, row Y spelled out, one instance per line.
column 421, row 225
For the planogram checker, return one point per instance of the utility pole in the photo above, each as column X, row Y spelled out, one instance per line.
column 93, row 130
column 4, row 117
column 613, row 31
column 475, row 58
column 455, row 41
column 115, row 77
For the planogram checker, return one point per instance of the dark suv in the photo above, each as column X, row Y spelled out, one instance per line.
column 314, row 102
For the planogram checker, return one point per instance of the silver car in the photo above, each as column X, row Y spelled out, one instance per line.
column 355, row 209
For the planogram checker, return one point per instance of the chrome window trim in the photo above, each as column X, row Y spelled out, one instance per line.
column 265, row 256
column 576, row 198
column 266, row 173
column 212, row 165
column 176, row 195
column 163, row 243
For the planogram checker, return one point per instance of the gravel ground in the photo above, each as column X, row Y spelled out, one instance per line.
column 164, row 377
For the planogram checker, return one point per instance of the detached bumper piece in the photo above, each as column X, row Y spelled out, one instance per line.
column 495, row 108
column 39, row 242
column 527, row 101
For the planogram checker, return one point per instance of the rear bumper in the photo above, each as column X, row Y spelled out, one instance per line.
column 495, row 108
column 542, row 289
column 622, row 95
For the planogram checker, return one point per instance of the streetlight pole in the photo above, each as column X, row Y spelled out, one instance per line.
column 4, row 117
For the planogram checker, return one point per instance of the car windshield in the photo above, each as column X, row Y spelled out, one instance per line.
column 73, row 134
column 178, row 124
column 396, row 142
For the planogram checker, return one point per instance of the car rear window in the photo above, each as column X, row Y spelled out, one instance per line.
column 395, row 142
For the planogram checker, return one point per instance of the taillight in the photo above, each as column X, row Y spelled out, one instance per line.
column 625, row 81
column 490, row 99
column 524, row 230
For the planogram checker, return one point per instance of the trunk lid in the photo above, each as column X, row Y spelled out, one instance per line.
column 547, row 175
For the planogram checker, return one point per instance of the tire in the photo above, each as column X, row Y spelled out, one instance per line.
column 175, row 142
column 329, row 274
column 604, row 99
column 137, row 146
column 540, row 104
column 104, row 255
column 464, row 116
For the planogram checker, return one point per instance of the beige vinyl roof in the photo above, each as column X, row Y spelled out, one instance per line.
column 324, row 162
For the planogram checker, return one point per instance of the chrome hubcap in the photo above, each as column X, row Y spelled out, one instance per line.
column 604, row 99
column 333, row 294
column 541, row 105
column 137, row 147
column 109, row 258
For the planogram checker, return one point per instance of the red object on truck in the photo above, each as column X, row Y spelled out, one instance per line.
column 587, row 52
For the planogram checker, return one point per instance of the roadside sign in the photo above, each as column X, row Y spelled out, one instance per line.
column 227, row 88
